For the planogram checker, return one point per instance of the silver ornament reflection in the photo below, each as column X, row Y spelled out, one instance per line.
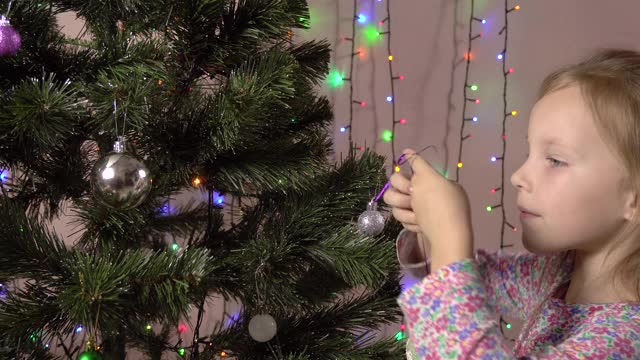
column 371, row 222
column 119, row 179
column 262, row 328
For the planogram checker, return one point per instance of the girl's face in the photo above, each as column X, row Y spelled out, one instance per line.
column 570, row 179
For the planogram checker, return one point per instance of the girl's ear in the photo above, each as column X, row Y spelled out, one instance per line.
column 631, row 207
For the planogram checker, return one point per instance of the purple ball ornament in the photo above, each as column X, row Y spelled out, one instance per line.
column 9, row 38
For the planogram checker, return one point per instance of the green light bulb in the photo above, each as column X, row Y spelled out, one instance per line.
column 399, row 335
column 370, row 35
column 335, row 79
column 387, row 135
column 181, row 352
column 474, row 87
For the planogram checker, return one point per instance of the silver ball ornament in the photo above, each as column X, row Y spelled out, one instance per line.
column 120, row 180
column 263, row 327
column 371, row 222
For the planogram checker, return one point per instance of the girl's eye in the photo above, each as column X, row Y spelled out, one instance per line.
column 554, row 162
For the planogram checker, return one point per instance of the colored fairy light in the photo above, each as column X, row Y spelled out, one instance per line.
column 387, row 135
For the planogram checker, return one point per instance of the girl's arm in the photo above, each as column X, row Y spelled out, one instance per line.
column 448, row 316
column 513, row 281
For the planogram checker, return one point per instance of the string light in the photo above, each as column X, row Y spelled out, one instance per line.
column 399, row 336
column 182, row 328
column 361, row 18
column 388, row 135
column 512, row 113
column 336, row 79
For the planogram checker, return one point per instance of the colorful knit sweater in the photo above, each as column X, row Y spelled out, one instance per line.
column 453, row 313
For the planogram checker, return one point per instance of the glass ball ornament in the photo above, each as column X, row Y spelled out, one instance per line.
column 10, row 40
column 371, row 221
column 119, row 179
column 263, row 327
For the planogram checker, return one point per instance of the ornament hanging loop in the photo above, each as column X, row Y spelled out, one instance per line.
column 6, row 15
column 119, row 145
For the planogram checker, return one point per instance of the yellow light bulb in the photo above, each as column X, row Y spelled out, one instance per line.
column 390, row 57
column 196, row 181
column 514, row 113
column 460, row 164
column 397, row 168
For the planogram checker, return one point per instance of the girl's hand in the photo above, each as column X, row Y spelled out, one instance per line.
column 398, row 197
column 441, row 211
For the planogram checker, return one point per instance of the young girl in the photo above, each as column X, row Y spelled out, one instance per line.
column 578, row 291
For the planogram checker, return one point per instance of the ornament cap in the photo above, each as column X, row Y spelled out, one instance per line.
column 118, row 146
column 4, row 21
column 372, row 206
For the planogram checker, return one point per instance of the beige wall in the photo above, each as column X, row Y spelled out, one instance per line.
column 544, row 34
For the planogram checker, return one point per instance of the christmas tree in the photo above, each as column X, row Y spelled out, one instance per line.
column 161, row 98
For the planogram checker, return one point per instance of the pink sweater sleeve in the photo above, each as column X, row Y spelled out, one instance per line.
column 513, row 280
column 449, row 316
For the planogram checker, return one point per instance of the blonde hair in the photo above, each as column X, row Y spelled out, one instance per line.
column 609, row 81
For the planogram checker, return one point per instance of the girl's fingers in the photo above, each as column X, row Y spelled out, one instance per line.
column 406, row 217
column 400, row 183
column 396, row 199
column 410, row 227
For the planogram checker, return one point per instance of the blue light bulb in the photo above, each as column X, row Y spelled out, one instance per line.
column 362, row 19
